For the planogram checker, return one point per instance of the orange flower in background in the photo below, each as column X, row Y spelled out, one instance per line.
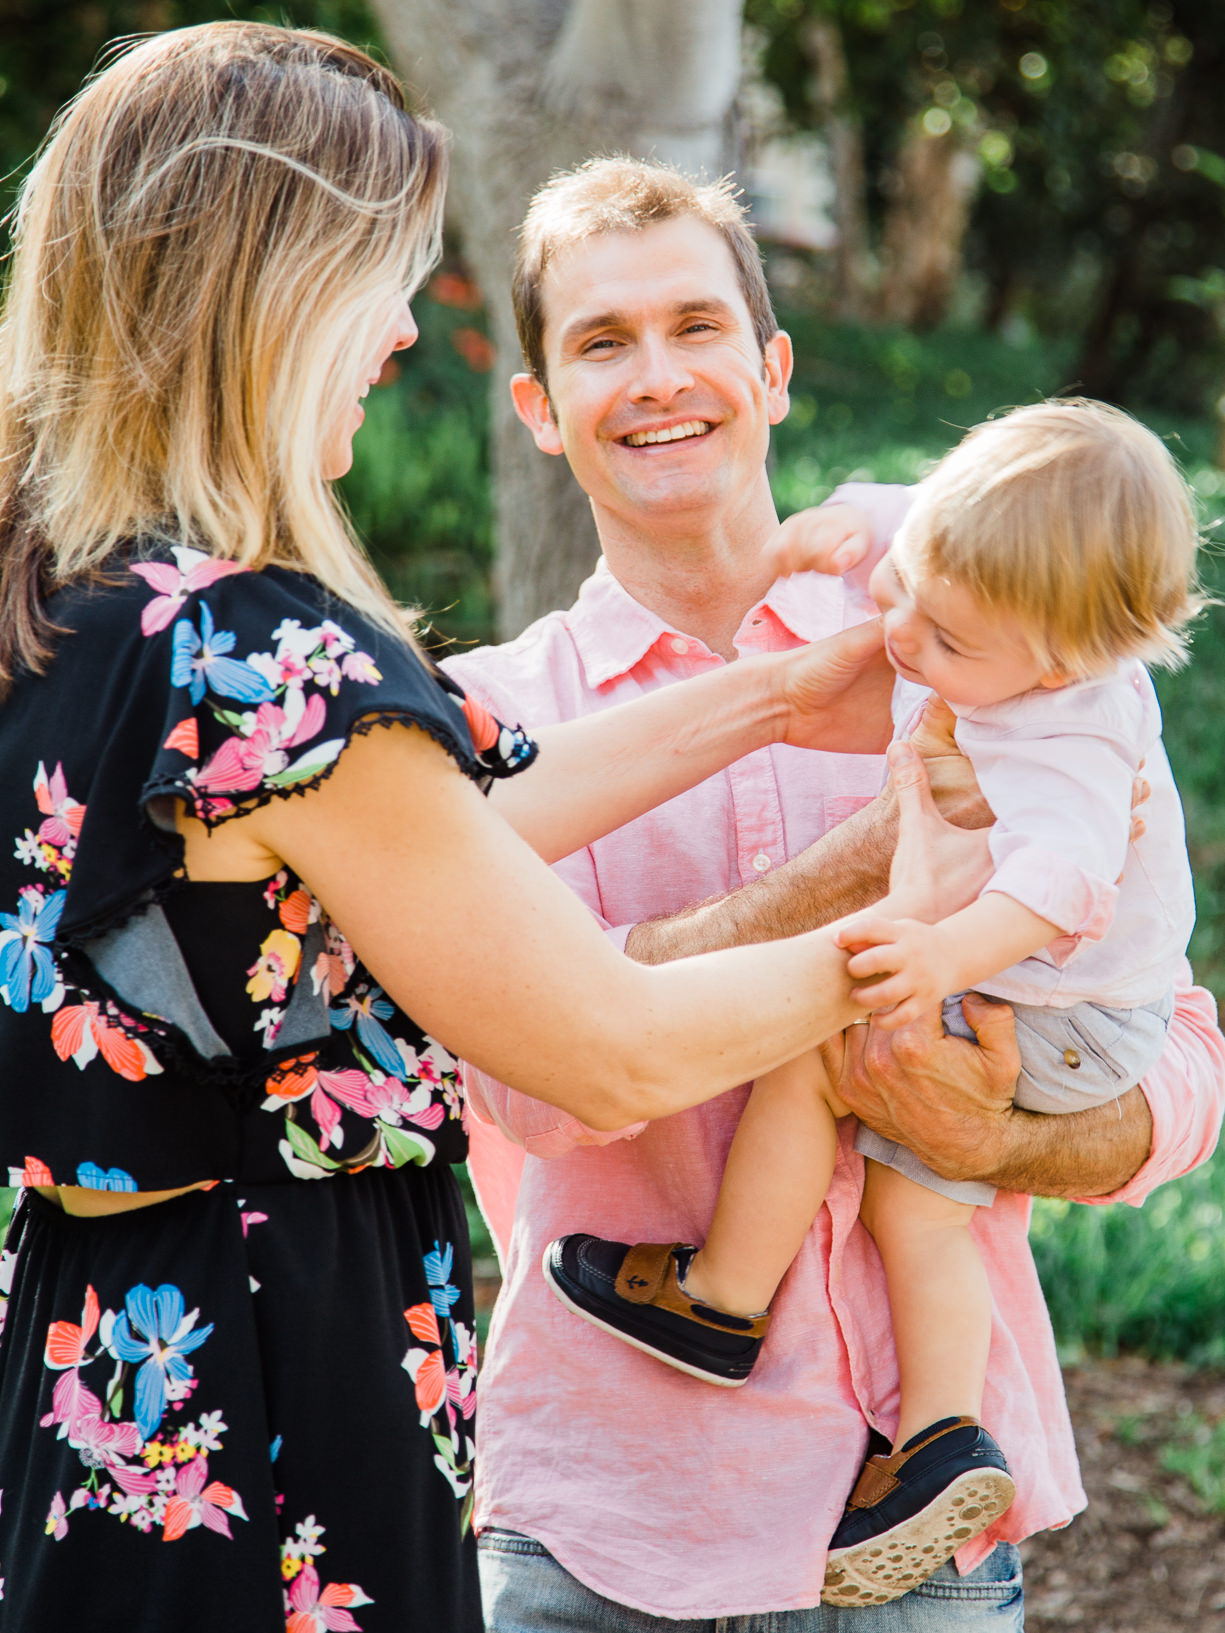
column 455, row 289
column 475, row 348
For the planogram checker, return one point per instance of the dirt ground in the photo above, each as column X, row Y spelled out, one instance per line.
column 1144, row 1557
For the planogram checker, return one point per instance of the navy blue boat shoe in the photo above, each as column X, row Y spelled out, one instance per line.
column 912, row 1509
column 637, row 1294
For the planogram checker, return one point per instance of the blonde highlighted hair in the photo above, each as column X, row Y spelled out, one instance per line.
column 1072, row 517
column 204, row 254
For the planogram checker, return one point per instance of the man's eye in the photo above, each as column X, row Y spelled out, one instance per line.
column 604, row 343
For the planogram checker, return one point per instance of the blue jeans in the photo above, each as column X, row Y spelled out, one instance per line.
column 525, row 1590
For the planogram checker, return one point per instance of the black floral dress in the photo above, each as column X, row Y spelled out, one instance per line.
column 249, row 1408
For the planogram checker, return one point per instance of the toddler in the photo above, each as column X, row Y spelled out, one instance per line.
column 1043, row 562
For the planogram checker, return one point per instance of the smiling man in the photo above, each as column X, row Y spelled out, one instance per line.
column 615, row 1494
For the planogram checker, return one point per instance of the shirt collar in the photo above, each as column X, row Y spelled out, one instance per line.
column 810, row 605
column 612, row 632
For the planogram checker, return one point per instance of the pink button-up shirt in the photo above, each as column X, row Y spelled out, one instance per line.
column 658, row 1492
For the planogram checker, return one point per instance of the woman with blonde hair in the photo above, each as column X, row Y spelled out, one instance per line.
column 240, row 1321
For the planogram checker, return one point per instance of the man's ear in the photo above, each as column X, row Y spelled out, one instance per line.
column 779, row 359
column 533, row 407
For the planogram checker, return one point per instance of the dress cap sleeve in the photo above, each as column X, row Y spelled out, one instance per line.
column 268, row 678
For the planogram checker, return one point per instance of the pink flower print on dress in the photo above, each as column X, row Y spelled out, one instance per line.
column 360, row 666
column 57, row 1518
column 63, row 815
column 102, row 1445
column 312, row 1610
column 195, row 1503
column 194, row 571
column 244, row 763
column 376, row 1095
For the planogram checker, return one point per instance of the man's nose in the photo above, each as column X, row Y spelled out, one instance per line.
column 660, row 370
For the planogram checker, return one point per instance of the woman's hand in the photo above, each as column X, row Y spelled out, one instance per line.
column 836, row 693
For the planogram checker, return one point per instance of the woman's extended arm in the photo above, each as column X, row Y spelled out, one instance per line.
column 597, row 773
column 485, row 948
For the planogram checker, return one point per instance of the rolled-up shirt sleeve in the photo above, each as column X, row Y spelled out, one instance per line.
column 1185, row 1093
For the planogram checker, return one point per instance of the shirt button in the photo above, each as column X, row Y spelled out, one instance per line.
column 1071, row 1058
column 762, row 862
column 679, row 644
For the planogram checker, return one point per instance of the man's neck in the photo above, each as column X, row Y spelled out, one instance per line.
column 702, row 581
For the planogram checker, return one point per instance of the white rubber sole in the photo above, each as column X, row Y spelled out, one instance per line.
column 884, row 1568
column 560, row 1293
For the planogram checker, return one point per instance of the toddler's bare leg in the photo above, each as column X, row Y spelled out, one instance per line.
column 938, row 1295
column 778, row 1171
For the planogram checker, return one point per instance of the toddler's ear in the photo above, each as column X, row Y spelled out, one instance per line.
column 1055, row 679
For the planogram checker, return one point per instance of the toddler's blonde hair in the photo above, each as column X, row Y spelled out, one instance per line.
column 1072, row 517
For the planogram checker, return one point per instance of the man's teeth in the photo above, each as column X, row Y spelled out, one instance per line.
column 672, row 433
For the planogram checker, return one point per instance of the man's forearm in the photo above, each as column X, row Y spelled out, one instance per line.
column 1085, row 1153
column 846, row 870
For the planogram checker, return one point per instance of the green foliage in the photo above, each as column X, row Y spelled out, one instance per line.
column 881, row 404
column 1147, row 1280
column 1198, row 1454
column 1097, row 126
column 46, row 51
column 419, row 488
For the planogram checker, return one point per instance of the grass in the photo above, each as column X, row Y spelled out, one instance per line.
column 1197, row 1452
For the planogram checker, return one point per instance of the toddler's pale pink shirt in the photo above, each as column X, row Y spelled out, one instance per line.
column 1057, row 769
column 658, row 1492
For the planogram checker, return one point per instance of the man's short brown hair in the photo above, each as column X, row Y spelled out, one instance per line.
column 627, row 195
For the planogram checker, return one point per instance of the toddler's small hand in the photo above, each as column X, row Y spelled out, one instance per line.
column 827, row 539
column 896, row 956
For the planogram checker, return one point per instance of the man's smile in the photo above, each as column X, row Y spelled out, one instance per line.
column 668, row 433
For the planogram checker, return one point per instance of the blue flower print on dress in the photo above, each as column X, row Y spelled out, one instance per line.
column 199, row 659
column 368, row 1007
column 443, row 1293
column 27, row 967
column 156, row 1331
column 92, row 1177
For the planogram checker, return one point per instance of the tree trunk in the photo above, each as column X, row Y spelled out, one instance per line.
column 529, row 87
column 854, row 273
column 925, row 227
